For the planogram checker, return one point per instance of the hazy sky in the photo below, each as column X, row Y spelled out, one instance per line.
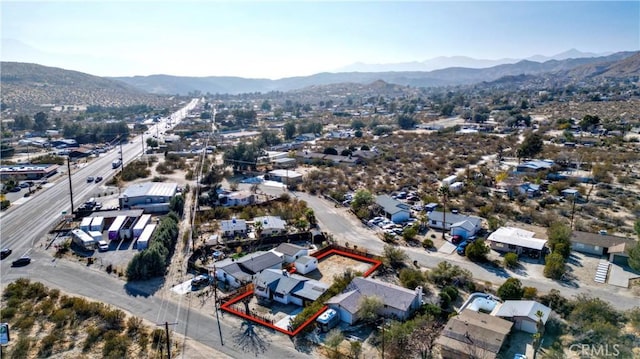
column 296, row 38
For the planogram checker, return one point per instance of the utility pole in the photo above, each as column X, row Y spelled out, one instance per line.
column 70, row 187
column 121, row 157
column 215, row 303
column 166, row 329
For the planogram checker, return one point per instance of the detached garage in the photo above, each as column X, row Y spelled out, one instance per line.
column 306, row 264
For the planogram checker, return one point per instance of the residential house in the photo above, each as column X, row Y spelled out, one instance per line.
column 473, row 334
column 523, row 313
column 284, row 163
column 398, row 302
column 290, row 252
column 271, row 225
column 233, row 227
column 393, row 209
column 285, row 176
column 534, row 166
column 597, row 243
column 236, row 273
column 458, row 224
column 152, row 197
column 306, row 264
column 285, row 288
column 238, row 198
column 517, row 240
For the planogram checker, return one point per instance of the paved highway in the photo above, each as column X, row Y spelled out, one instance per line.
column 23, row 225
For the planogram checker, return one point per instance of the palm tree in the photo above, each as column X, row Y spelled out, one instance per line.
column 444, row 192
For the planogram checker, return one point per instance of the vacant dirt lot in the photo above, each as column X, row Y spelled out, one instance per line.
column 335, row 264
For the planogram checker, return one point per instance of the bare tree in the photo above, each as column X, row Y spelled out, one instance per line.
column 249, row 339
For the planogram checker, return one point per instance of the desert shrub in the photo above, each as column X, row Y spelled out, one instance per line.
column 451, row 291
column 24, row 323
column 47, row 343
column 134, row 325
column 412, row 278
column 8, row 313
column 510, row 260
column 448, row 274
column 477, row 251
column 93, row 335
column 115, row 346
column 21, row 348
column 529, row 292
column 511, row 289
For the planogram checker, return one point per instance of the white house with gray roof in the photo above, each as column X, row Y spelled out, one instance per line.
column 271, row 225
column 152, row 197
column 458, row 224
column 285, row 288
column 393, row 209
column 523, row 313
column 399, row 303
column 233, row 227
column 290, row 252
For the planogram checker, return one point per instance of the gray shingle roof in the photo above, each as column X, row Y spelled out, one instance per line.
column 455, row 218
column 259, row 261
column 390, row 294
column 289, row 249
column 391, row 205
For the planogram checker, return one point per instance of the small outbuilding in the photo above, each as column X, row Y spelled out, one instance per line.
column 526, row 315
column 306, row 264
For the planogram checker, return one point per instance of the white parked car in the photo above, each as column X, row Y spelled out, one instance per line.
column 103, row 246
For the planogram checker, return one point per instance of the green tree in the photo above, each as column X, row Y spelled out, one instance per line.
column 361, row 199
column 412, row 278
column 477, row 251
column 409, row 233
column 333, row 340
column 406, row 122
column 22, row 122
column 510, row 260
column 266, row 106
column 559, row 238
column 554, row 266
column 369, row 308
column 289, row 130
column 357, row 124
column 634, row 257
column 41, row 121
column 153, row 143
column 531, row 146
column 330, row 151
column 393, row 257
column 588, row 122
column 511, row 289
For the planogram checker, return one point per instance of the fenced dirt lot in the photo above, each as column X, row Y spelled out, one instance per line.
column 336, row 264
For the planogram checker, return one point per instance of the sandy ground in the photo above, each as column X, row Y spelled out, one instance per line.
column 334, row 265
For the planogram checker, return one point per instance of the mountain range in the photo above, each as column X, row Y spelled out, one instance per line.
column 24, row 84
column 443, row 62
column 451, row 76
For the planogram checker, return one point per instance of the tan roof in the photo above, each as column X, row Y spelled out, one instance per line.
column 602, row 240
column 474, row 333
